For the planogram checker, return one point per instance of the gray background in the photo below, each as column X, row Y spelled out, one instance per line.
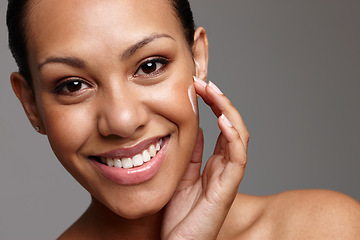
column 290, row 67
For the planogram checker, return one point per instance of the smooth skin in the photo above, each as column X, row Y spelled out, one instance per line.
column 87, row 42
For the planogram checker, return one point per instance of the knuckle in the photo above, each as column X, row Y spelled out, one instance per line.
column 237, row 136
column 246, row 136
column 227, row 104
column 243, row 160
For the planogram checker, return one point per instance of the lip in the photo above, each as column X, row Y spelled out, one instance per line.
column 130, row 151
column 135, row 175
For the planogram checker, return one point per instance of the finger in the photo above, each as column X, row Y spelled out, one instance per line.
column 192, row 173
column 235, row 149
column 229, row 160
column 201, row 89
column 220, row 104
column 219, row 146
column 236, row 156
column 200, row 86
column 198, row 151
column 232, row 143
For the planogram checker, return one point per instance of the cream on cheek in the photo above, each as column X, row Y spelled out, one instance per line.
column 192, row 98
column 176, row 100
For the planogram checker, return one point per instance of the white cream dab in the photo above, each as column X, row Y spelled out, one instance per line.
column 192, row 97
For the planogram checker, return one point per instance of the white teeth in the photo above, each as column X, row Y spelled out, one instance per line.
column 117, row 163
column 136, row 160
column 146, row 156
column 110, row 162
column 152, row 151
column 157, row 147
column 126, row 163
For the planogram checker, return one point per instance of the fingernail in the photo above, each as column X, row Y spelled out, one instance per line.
column 214, row 87
column 198, row 80
column 226, row 120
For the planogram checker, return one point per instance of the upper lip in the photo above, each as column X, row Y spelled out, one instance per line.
column 130, row 151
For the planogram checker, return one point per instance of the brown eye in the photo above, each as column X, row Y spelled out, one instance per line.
column 151, row 66
column 71, row 86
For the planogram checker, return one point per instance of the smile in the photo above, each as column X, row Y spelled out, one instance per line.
column 134, row 161
column 128, row 166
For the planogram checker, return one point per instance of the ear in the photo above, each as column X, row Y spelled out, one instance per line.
column 25, row 94
column 201, row 53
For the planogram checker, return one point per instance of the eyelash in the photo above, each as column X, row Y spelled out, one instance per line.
column 59, row 89
column 157, row 70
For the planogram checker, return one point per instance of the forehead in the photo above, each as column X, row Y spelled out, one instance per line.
column 54, row 24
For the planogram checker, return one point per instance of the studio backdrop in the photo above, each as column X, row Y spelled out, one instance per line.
column 292, row 70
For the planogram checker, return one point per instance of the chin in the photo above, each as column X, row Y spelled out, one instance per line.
column 136, row 211
column 135, row 202
column 139, row 213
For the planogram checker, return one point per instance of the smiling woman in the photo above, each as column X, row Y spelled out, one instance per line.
column 113, row 84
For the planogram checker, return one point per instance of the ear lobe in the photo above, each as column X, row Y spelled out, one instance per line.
column 25, row 94
column 201, row 53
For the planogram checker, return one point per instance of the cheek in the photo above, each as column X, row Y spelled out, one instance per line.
column 67, row 128
column 176, row 101
column 175, row 105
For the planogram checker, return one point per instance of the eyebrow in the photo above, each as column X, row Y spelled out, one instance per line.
column 71, row 61
column 78, row 63
column 131, row 50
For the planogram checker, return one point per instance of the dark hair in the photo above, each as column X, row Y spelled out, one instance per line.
column 184, row 13
column 16, row 22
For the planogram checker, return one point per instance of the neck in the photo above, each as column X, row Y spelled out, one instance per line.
column 105, row 224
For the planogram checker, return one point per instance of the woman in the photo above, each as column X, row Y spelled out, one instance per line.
column 113, row 85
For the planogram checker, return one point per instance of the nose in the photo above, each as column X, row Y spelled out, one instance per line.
column 121, row 113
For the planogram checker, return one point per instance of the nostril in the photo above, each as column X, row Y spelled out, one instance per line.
column 123, row 124
column 121, row 114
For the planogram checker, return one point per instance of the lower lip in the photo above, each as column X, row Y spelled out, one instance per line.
column 135, row 175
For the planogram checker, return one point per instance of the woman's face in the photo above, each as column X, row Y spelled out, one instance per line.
column 112, row 79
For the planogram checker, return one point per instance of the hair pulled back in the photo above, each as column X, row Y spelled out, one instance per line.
column 16, row 23
column 16, row 20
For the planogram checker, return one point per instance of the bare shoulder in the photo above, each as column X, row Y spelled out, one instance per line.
column 315, row 214
column 243, row 217
column 300, row 214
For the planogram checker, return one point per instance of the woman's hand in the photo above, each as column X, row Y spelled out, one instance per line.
column 201, row 203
